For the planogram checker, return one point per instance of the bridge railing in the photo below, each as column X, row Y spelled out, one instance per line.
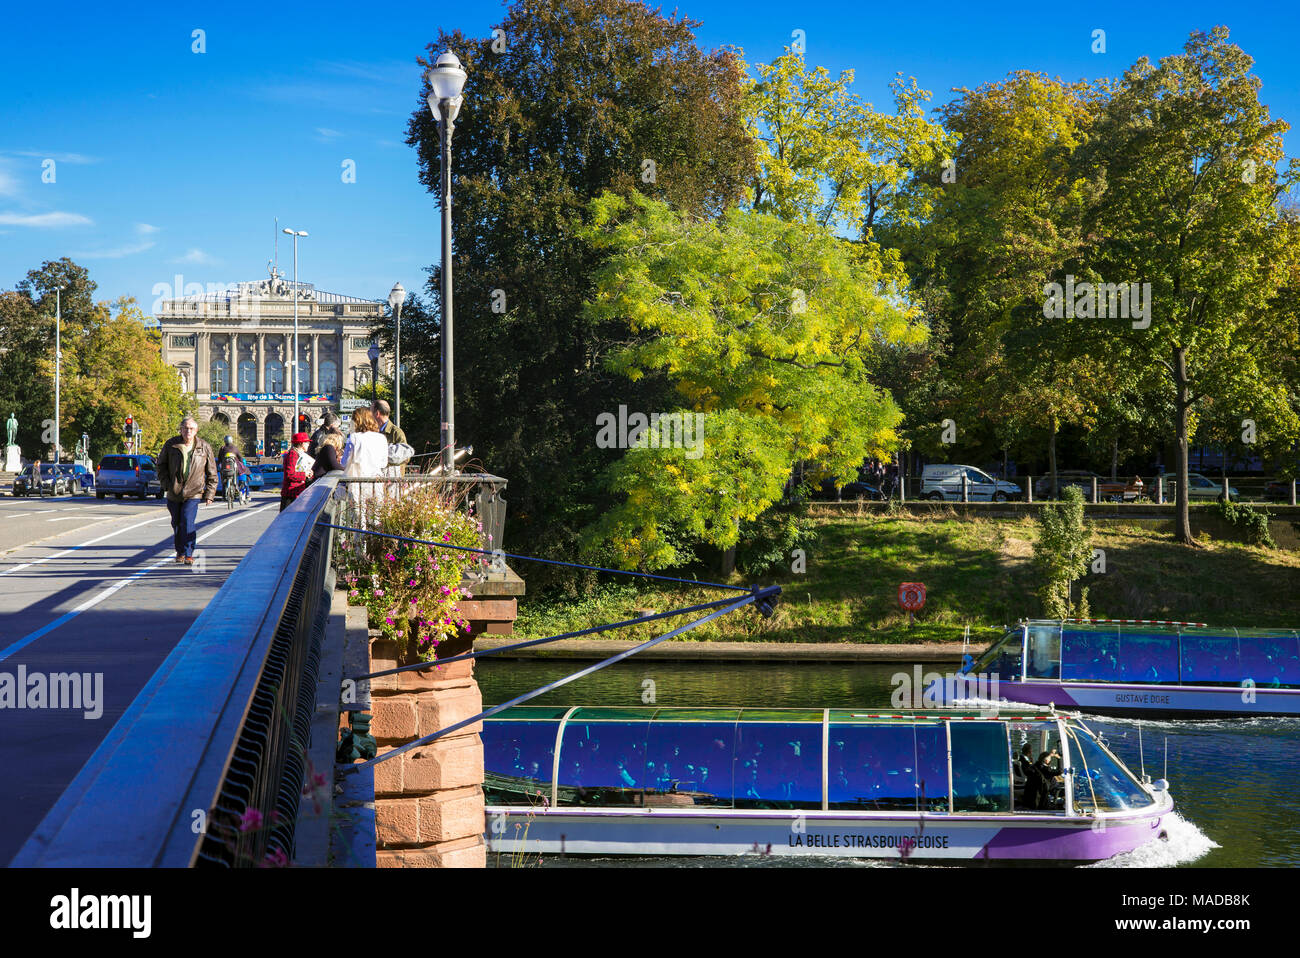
column 207, row 765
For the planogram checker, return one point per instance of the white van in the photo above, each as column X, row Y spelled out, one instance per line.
column 943, row 481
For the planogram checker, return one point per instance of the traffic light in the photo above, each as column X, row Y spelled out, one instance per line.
column 129, row 431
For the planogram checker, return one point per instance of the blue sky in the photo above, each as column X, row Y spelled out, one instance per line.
column 172, row 162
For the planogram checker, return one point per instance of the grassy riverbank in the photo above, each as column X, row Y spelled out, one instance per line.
column 977, row 572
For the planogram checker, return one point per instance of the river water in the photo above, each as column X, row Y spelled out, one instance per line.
column 1236, row 782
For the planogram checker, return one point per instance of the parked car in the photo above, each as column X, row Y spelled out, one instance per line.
column 52, row 481
column 123, row 475
column 82, row 479
column 1279, row 490
column 1198, row 487
column 945, row 482
column 1108, row 490
column 849, row 491
column 272, row 473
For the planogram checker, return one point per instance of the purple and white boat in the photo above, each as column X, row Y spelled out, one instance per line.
column 1145, row 668
column 866, row 783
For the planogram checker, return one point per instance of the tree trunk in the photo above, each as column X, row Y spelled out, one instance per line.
column 1051, row 457
column 1182, row 414
column 1114, row 458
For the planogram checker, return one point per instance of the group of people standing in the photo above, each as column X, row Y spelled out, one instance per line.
column 187, row 466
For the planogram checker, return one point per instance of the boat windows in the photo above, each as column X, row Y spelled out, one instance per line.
column 689, row 763
column 778, row 765
column 1089, row 656
column 517, row 762
column 1148, row 658
column 602, row 763
column 1100, row 783
column 1210, row 659
column 1044, row 652
column 1270, row 660
column 1003, row 658
column 981, row 775
column 1032, row 743
column 887, row 767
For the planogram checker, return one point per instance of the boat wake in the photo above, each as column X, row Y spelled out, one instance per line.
column 1186, row 843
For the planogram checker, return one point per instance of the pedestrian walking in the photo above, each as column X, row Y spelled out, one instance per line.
column 187, row 469
column 36, row 478
column 297, row 470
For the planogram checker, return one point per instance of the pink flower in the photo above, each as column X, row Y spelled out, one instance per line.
column 276, row 859
column 389, row 620
column 251, row 819
column 390, row 557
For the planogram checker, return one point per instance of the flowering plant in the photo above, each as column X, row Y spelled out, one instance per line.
column 411, row 589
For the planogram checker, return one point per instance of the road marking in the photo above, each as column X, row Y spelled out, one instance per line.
column 70, row 518
column 60, row 555
column 112, row 589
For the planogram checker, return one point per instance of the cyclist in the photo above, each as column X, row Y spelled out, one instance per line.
column 232, row 467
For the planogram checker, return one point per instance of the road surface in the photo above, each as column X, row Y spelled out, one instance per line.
column 87, row 614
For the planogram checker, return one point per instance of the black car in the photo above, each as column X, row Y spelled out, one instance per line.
column 52, row 482
column 80, row 479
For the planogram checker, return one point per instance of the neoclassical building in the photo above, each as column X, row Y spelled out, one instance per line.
column 231, row 349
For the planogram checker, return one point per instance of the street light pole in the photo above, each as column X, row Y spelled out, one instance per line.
column 295, row 234
column 446, row 80
column 58, row 361
column 373, row 353
column 395, row 300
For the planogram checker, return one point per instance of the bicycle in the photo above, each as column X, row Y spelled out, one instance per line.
column 231, row 491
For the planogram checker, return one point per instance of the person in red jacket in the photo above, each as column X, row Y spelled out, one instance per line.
column 297, row 470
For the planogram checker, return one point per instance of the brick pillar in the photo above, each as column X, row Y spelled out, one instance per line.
column 429, row 801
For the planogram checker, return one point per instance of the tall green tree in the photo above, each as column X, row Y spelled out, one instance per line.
column 765, row 328
column 567, row 100
column 1187, row 155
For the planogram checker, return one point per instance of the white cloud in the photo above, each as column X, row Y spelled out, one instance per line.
column 44, row 219
column 115, row 253
column 144, row 229
column 8, row 184
column 327, row 133
column 197, row 256
column 76, row 158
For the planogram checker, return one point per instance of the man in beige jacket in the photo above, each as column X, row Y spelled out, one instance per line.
column 187, row 470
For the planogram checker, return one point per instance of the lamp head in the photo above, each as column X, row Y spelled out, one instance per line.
column 446, row 79
column 397, row 297
column 373, row 353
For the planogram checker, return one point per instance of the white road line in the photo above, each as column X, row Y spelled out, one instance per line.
column 60, row 555
column 71, row 518
column 112, row 589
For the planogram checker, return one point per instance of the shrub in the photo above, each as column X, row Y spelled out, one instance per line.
column 1062, row 554
column 410, row 589
column 1250, row 523
column 768, row 541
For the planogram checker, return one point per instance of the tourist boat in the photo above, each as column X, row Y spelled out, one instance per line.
column 866, row 783
column 1144, row 667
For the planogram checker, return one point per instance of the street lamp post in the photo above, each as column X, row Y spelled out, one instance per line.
column 295, row 234
column 446, row 80
column 58, row 361
column 395, row 300
column 373, row 353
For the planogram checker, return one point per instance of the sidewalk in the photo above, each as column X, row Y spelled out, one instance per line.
column 734, row 651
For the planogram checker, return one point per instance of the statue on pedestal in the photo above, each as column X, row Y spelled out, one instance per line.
column 13, row 455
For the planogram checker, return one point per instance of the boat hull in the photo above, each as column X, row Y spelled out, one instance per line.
column 662, row 832
column 1110, row 698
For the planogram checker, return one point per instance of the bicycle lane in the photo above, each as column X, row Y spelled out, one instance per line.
column 81, row 631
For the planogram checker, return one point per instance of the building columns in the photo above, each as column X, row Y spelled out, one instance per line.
column 202, row 365
column 315, row 363
column 261, row 362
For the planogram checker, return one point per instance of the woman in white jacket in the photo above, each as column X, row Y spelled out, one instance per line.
column 365, row 456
